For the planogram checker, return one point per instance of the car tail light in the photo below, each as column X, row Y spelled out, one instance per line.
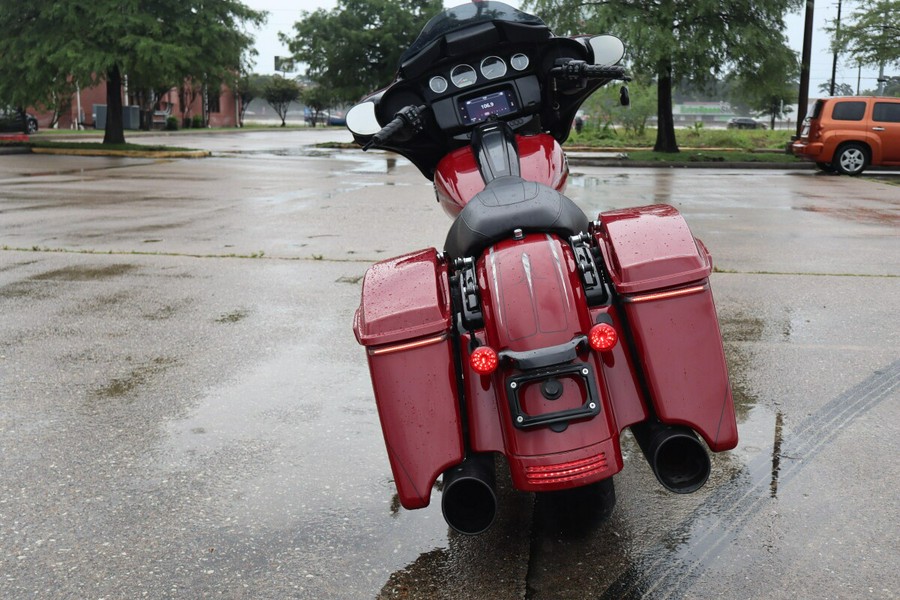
column 484, row 360
column 602, row 337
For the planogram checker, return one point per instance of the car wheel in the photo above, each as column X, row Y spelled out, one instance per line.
column 825, row 167
column 851, row 159
column 31, row 126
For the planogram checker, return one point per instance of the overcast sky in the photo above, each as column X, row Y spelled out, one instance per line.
column 284, row 13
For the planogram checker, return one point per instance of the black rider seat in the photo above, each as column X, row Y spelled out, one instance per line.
column 507, row 204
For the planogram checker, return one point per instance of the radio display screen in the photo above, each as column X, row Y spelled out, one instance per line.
column 476, row 110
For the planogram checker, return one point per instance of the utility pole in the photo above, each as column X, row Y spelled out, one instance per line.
column 837, row 41
column 804, row 65
column 881, row 79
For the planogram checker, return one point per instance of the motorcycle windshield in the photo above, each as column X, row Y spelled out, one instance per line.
column 466, row 15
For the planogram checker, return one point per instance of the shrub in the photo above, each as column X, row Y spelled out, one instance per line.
column 172, row 124
column 197, row 122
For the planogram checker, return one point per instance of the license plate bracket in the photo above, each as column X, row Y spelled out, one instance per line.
column 589, row 408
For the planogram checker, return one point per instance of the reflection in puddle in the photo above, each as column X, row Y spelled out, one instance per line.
column 376, row 162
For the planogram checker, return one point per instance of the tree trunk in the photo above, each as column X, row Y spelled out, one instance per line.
column 115, row 132
column 665, row 132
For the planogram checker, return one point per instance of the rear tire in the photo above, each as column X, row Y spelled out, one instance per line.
column 31, row 126
column 851, row 159
column 825, row 167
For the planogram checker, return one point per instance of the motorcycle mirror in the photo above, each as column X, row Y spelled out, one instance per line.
column 624, row 97
column 607, row 49
column 361, row 119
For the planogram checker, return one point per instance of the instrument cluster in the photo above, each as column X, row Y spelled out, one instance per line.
column 464, row 75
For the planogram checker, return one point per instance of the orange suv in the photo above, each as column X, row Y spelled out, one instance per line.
column 846, row 135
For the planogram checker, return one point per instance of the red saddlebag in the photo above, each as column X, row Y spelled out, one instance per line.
column 662, row 273
column 404, row 321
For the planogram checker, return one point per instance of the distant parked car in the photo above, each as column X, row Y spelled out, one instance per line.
column 847, row 134
column 324, row 118
column 745, row 123
column 11, row 120
column 337, row 119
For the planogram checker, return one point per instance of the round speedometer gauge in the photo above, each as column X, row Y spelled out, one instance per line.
column 519, row 62
column 493, row 67
column 438, row 84
column 463, row 76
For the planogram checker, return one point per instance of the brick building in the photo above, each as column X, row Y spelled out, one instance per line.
column 221, row 108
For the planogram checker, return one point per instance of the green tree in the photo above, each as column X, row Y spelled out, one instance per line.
column 317, row 97
column 156, row 43
column 678, row 40
column 768, row 90
column 249, row 87
column 892, row 87
column 279, row 93
column 870, row 36
column 604, row 107
column 356, row 47
column 841, row 89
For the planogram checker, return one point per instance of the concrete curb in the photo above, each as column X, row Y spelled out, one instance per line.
column 14, row 150
column 124, row 153
column 584, row 161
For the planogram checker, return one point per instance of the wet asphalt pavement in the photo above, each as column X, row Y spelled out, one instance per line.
column 185, row 413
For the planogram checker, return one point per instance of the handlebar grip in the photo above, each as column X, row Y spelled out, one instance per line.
column 604, row 72
column 386, row 133
column 390, row 130
column 409, row 117
column 578, row 69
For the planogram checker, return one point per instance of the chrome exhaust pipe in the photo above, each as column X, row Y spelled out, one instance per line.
column 469, row 502
column 677, row 457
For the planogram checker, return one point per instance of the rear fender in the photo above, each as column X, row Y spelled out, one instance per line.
column 535, row 311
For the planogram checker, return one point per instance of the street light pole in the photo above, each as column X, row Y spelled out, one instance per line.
column 837, row 40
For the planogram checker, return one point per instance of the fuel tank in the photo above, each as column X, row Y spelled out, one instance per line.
column 457, row 178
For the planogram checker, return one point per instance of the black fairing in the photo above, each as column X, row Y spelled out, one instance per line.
column 466, row 34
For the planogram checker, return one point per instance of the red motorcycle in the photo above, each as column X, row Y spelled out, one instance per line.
column 536, row 334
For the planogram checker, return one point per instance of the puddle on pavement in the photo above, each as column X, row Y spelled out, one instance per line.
column 588, row 182
column 375, row 163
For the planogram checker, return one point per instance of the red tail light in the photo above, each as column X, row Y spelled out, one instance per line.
column 484, row 360
column 602, row 337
